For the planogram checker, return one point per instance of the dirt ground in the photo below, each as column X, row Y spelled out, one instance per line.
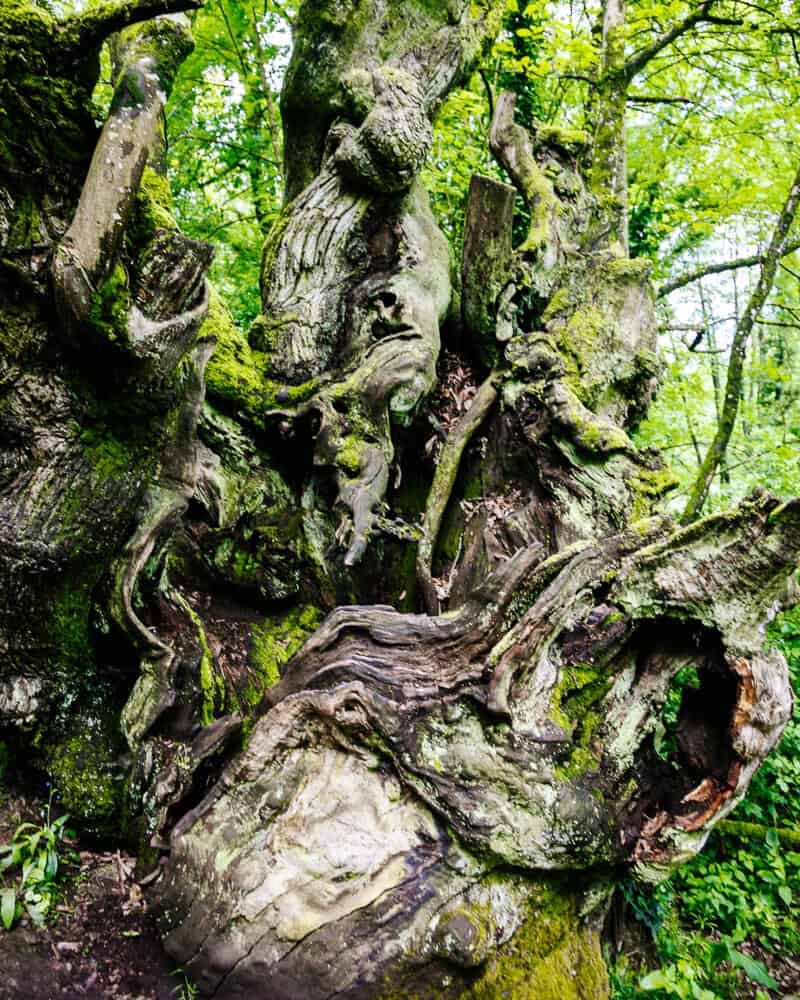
column 100, row 943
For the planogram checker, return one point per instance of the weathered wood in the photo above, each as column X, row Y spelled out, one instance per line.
column 106, row 393
column 486, row 261
column 485, row 720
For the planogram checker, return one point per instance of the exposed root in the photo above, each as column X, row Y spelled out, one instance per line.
column 443, row 482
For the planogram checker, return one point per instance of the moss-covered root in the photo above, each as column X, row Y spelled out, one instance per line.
column 553, row 956
column 789, row 838
column 164, row 502
column 442, row 486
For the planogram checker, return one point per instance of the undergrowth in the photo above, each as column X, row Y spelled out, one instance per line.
column 29, row 869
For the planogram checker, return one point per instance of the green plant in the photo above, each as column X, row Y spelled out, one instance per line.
column 667, row 739
column 34, row 851
column 186, row 989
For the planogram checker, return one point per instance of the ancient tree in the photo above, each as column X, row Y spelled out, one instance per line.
column 432, row 791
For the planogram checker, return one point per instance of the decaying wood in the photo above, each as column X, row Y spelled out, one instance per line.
column 423, row 695
column 402, row 761
column 442, row 486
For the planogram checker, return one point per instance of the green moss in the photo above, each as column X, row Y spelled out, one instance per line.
column 109, row 456
column 22, row 330
column 275, row 642
column 266, row 551
column 648, row 486
column 26, row 224
column 212, row 686
column 69, row 629
column 236, row 374
column 553, row 956
column 44, row 119
column 576, row 707
column 349, row 455
column 83, row 772
column 212, row 683
column 152, row 210
column 558, row 303
column 586, row 330
column 111, row 303
column 572, row 140
column 629, row 270
column 589, row 432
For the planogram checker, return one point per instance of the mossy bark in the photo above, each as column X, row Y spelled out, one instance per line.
column 513, row 735
column 94, row 386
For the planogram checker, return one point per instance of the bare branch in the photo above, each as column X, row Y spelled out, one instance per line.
column 648, row 99
column 733, row 383
column 729, row 265
column 640, row 59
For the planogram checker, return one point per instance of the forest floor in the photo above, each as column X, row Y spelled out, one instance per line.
column 100, row 941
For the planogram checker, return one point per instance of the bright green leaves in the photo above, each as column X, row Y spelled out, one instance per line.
column 32, row 858
column 8, row 907
column 683, row 979
column 723, row 951
column 225, row 142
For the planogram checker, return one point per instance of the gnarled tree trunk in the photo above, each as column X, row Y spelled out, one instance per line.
column 422, row 804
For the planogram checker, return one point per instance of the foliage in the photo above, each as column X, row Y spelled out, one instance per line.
column 34, row 851
column 666, row 740
column 225, row 147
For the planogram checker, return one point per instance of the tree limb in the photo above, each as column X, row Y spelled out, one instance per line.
column 729, row 265
column 652, row 99
column 744, row 831
column 733, row 385
column 640, row 59
column 442, row 485
column 89, row 30
column 85, row 256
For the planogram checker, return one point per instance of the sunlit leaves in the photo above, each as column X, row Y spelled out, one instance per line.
column 225, row 142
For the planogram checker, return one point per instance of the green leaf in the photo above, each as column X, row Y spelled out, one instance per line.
column 8, row 907
column 38, row 911
column 655, row 981
column 786, row 894
column 51, row 866
column 753, row 969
